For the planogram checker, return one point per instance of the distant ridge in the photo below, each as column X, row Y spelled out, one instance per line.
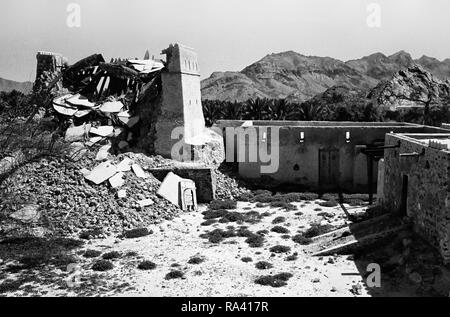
column 9, row 85
column 298, row 77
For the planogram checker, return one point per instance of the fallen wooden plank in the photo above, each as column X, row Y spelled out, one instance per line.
column 354, row 245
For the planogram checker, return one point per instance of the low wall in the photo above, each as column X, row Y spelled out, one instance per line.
column 427, row 189
column 299, row 159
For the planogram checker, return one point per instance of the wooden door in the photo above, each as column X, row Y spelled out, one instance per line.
column 329, row 168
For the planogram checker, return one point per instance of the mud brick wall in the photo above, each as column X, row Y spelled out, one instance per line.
column 204, row 179
column 428, row 189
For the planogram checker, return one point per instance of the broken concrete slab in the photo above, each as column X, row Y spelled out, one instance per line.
column 111, row 107
column 127, row 119
column 139, row 171
column 124, row 165
column 145, row 202
column 122, row 193
column 117, row 180
column 76, row 151
column 84, row 171
column 170, row 188
column 65, row 110
column 80, row 101
column 78, row 133
column 93, row 140
column 26, row 214
column 104, row 131
column 101, row 173
column 82, row 113
column 118, row 131
column 103, row 153
column 205, row 179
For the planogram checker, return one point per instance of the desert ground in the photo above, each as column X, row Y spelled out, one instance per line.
column 179, row 258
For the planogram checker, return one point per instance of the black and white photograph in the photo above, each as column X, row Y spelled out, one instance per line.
column 224, row 153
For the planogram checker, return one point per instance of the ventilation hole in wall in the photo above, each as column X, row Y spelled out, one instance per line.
column 296, row 167
column 427, row 165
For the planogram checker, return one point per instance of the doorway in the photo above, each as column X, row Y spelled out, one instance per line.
column 329, row 168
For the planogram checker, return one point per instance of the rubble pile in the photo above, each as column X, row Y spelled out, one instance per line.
column 69, row 203
column 228, row 185
column 99, row 100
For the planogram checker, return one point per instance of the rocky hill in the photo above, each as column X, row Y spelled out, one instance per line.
column 8, row 85
column 410, row 87
column 298, row 78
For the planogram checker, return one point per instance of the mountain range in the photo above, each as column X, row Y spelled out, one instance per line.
column 297, row 77
column 8, row 85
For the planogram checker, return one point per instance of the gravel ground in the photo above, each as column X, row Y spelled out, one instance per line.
column 179, row 262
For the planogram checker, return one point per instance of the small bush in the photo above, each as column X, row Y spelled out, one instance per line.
column 246, row 197
column 174, row 274
column 137, row 233
column 244, row 232
column 283, row 205
column 223, row 204
column 329, row 196
column 263, row 265
column 300, row 239
column 299, row 213
column 356, row 199
column 9, row 286
column 255, row 241
column 329, row 203
column 285, row 236
column 278, row 220
column 218, row 235
column 279, row 229
column 280, row 249
column 296, row 197
column 213, row 214
column 283, row 276
column 291, row 257
column 317, row 229
column 260, row 205
column 111, row 255
column 196, row 260
column 277, row 280
column 326, row 214
column 102, row 265
column 232, row 217
column 131, row 254
column 246, row 259
column 208, row 222
column 92, row 253
column 265, row 197
column 146, row 265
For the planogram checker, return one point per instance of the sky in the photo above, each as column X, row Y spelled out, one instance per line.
column 227, row 34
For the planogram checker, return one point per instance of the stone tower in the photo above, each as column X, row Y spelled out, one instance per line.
column 181, row 105
column 49, row 66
